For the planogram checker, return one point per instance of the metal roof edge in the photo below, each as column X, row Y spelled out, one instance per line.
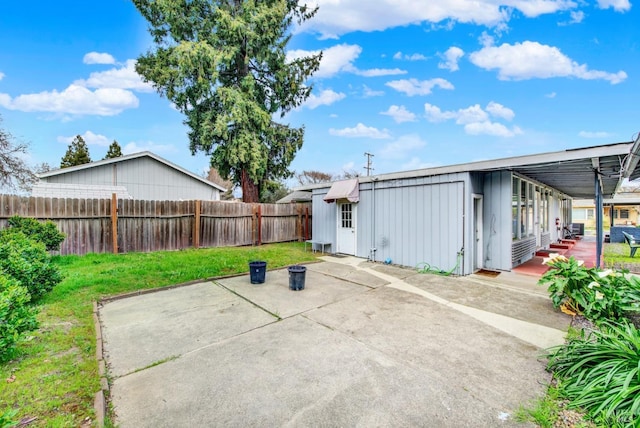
column 149, row 154
column 495, row 164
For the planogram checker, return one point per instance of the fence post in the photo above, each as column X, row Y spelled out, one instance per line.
column 259, row 216
column 306, row 227
column 196, row 225
column 299, row 225
column 114, row 222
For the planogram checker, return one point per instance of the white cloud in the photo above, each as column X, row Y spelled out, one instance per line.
column 90, row 138
column 375, row 72
column 486, row 39
column 413, row 87
column 475, row 119
column 335, row 59
column 529, row 60
column 1, row 75
column 617, row 5
column 402, row 147
column 361, row 131
column 123, row 77
column 340, row 59
column 368, row 92
column 143, row 146
column 412, row 57
column 588, row 134
column 75, row 100
column 451, row 58
column 348, row 166
column 498, row 110
column 577, row 16
column 415, row 163
column 551, row 95
column 400, row 114
column 325, row 98
column 337, row 17
column 98, row 58
column 491, row 128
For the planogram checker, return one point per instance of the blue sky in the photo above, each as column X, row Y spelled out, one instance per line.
column 415, row 83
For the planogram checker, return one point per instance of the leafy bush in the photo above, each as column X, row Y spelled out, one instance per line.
column 45, row 232
column 596, row 294
column 28, row 262
column 600, row 373
column 16, row 315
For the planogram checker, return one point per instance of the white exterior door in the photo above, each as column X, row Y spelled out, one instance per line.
column 346, row 234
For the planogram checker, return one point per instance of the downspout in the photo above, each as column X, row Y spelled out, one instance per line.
column 372, row 251
column 599, row 232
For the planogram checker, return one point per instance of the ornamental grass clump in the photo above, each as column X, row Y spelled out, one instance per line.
column 600, row 373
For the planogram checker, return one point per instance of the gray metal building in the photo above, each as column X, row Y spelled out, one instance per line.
column 143, row 175
column 483, row 215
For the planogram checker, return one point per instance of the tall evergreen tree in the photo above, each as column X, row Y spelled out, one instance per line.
column 114, row 151
column 77, row 153
column 223, row 64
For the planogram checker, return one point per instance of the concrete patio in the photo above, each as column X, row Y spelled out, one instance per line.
column 363, row 344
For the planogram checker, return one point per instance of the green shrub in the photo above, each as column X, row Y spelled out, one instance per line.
column 600, row 373
column 16, row 315
column 45, row 232
column 28, row 262
column 596, row 294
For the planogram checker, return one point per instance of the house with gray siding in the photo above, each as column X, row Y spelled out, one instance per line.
column 144, row 176
column 491, row 214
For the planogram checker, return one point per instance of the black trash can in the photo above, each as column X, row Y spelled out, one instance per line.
column 257, row 271
column 296, row 277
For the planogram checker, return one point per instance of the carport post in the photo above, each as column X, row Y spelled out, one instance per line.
column 599, row 232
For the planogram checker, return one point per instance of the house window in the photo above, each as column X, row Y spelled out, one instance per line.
column 622, row 214
column 579, row 214
column 514, row 207
column 346, row 216
column 591, row 213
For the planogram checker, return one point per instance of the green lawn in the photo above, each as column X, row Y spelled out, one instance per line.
column 616, row 255
column 55, row 377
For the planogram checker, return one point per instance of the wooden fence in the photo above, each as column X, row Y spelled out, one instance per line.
column 123, row 225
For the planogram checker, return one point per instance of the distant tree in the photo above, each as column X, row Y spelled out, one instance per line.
column 312, row 177
column 346, row 174
column 223, row 63
column 42, row 168
column 14, row 172
column 273, row 191
column 114, row 151
column 215, row 177
column 77, row 153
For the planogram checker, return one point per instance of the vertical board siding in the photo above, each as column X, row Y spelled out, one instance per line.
column 149, row 225
column 412, row 221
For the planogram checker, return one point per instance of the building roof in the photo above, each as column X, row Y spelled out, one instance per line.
column 70, row 169
column 570, row 171
column 295, row 196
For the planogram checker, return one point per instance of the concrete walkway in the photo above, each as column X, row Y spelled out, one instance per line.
column 362, row 345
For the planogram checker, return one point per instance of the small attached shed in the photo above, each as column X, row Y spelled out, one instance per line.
column 144, row 176
column 483, row 215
